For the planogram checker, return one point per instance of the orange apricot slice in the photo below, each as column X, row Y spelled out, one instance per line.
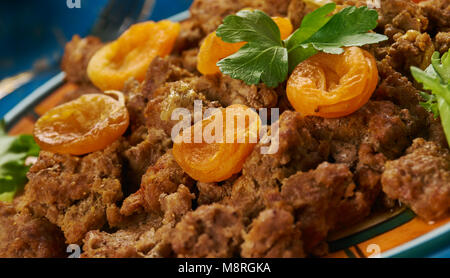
column 213, row 49
column 87, row 124
column 217, row 160
column 332, row 86
column 131, row 54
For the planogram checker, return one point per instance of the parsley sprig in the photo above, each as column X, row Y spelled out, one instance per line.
column 436, row 78
column 268, row 59
column 14, row 150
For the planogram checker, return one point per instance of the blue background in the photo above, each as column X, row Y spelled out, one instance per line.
column 33, row 31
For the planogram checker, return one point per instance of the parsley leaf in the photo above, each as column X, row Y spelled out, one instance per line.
column 249, row 26
column 349, row 27
column 13, row 153
column 267, row 58
column 441, row 66
column 430, row 103
column 254, row 63
column 263, row 58
column 436, row 79
column 311, row 23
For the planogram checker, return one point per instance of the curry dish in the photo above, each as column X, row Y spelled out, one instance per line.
column 354, row 138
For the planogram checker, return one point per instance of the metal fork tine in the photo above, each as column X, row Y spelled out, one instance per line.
column 118, row 16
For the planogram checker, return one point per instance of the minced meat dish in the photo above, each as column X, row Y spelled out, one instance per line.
column 133, row 197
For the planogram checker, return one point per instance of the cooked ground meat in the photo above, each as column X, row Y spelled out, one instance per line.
column 317, row 197
column 209, row 193
column 421, row 179
column 229, row 91
column 297, row 150
column 77, row 54
column 135, row 101
column 297, row 9
column 121, row 244
column 438, row 14
column 154, row 144
column 148, row 235
column 399, row 16
column 363, row 141
column 171, row 96
column 190, row 36
column 74, row 192
column 164, row 177
column 189, row 60
column 212, row 231
column 324, row 174
column 397, row 88
column 273, row 234
column 24, row 236
column 378, row 132
column 159, row 72
column 411, row 49
column 209, row 13
column 138, row 94
column 442, row 42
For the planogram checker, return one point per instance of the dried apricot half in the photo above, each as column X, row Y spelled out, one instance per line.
column 131, row 54
column 332, row 86
column 217, row 160
column 87, row 124
column 213, row 49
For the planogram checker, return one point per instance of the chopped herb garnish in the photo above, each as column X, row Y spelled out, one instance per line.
column 266, row 58
column 436, row 79
column 14, row 150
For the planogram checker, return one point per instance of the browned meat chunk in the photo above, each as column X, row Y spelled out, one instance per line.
column 160, row 71
column 378, row 132
column 190, row 36
column 146, row 235
column 169, row 97
column 421, row 179
column 397, row 88
column 209, row 13
column 153, row 144
column 209, row 193
column 273, row 234
column 164, row 177
column 411, row 49
column 399, row 16
column 74, row 192
column 438, row 13
column 212, row 231
column 442, row 42
column 188, row 60
column 77, row 54
column 271, row 7
column 297, row 150
column 363, row 141
column 135, row 101
column 23, row 236
column 121, row 244
column 297, row 9
column 316, row 197
column 229, row 91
